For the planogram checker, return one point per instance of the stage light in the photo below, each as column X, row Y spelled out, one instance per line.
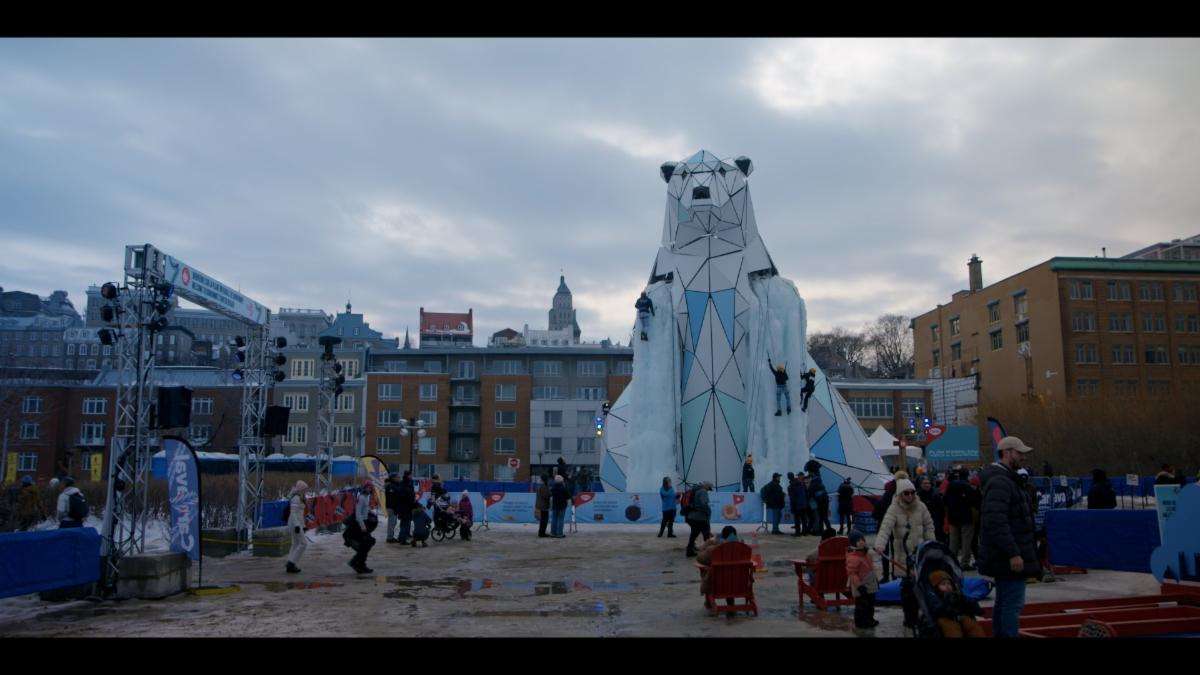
column 162, row 306
column 108, row 291
column 337, row 368
column 158, row 323
column 280, row 376
column 280, row 359
column 164, row 289
column 239, row 341
column 107, row 314
column 280, row 343
column 107, row 336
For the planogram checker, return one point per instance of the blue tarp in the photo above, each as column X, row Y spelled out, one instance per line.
column 975, row 588
column 1103, row 539
column 43, row 561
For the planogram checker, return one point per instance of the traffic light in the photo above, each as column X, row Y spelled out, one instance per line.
column 927, row 425
column 599, row 426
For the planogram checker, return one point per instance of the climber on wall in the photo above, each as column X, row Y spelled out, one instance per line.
column 645, row 308
column 781, row 389
column 810, row 385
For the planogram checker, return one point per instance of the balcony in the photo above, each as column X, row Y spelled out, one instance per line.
column 469, row 455
column 465, row 402
column 464, row 428
column 91, row 441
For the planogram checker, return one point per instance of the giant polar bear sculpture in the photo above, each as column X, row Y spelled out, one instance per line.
column 702, row 395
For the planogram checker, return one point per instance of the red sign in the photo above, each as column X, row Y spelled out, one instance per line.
column 514, row 463
column 935, row 432
column 583, row 498
column 492, row 498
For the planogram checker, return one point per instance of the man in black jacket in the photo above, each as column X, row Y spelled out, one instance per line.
column 845, row 494
column 1007, row 547
column 406, row 500
column 773, row 499
column 645, row 309
column 961, row 499
column 781, row 388
column 391, row 495
column 798, row 499
column 1101, row 495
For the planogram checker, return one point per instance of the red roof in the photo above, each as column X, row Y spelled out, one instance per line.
column 441, row 322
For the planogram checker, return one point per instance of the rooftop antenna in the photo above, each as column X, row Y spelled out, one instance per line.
column 1104, row 251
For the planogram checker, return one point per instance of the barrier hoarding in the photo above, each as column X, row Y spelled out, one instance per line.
column 510, row 507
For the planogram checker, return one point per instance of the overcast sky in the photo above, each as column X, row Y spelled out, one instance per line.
column 465, row 173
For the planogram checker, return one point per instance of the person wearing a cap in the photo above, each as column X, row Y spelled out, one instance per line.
column 1007, row 546
column 907, row 524
column 295, row 526
column 773, row 499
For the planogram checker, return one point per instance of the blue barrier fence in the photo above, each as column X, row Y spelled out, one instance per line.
column 43, row 561
column 1109, row 539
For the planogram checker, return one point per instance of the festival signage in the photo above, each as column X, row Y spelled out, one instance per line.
column 736, row 507
column 954, row 444
column 183, row 495
column 377, row 473
column 511, row 507
column 97, row 468
column 10, row 471
column 203, row 290
column 1177, row 559
column 619, row 507
column 1166, row 498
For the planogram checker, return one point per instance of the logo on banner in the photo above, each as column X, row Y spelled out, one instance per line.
column 935, row 432
column 583, row 498
column 514, row 463
column 492, row 498
column 186, row 275
column 183, row 493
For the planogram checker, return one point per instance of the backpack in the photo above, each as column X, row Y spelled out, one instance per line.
column 685, row 502
column 77, row 507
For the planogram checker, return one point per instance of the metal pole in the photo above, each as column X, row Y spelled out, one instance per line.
column 4, row 452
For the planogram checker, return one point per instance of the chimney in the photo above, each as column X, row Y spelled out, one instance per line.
column 975, row 272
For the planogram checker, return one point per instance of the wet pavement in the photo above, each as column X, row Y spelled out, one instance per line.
column 505, row 582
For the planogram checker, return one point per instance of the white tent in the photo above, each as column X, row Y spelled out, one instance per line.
column 883, row 441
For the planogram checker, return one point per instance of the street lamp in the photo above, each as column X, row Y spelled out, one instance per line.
column 418, row 427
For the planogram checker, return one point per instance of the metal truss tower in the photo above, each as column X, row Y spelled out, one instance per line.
column 252, row 450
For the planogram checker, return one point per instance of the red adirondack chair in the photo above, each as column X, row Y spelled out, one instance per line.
column 828, row 575
column 731, row 577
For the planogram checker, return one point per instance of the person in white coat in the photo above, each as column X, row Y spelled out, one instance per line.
column 65, row 517
column 295, row 525
column 907, row 524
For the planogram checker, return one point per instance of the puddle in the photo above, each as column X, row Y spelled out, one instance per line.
column 281, row 586
column 826, row 620
column 583, row 610
column 407, row 589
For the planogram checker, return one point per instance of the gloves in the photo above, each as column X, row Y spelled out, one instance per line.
column 862, row 590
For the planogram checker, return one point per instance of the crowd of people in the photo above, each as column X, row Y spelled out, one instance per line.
column 22, row 507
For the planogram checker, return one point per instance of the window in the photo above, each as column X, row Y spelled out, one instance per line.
column 937, row 358
column 94, row 406
column 552, row 445
column 547, row 393
column 1087, row 387
column 552, row 418
column 200, row 433
column 585, row 418
column 1184, row 292
column 506, row 392
column 433, row 366
column 429, row 392
column 387, row 443
column 1086, row 353
column 1125, row 388
column 1023, row 332
column 1154, row 323
column 1119, row 290
column 1158, row 387
column 302, row 369
column 1082, row 322
column 349, row 368
column 909, row 406
column 344, row 403
column 935, row 333
column 202, row 406
column 1123, row 355
column 590, row 393
column 390, row 392
column 31, row 404
column 586, row 445
column 466, row 370
column 993, row 312
column 461, row 471
column 872, row 406
column 465, row 421
column 297, row 402
column 91, row 364
column 503, row 472
column 30, row 431
column 624, row 368
column 427, row 445
column 343, row 434
column 27, row 461
column 396, row 366
column 547, row 368
column 297, row 434
column 1081, row 290
column 1120, row 323
column 1156, row 355
column 465, row 394
column 590, row 368
column 71, row 349
column 997, row 337
column 954, row 326
column 1189, row 355
column 429, row 417
column 504, row 446
column 506, row 419
column 1021, row 304
column 506, row 367
column 1187, row 323
column 1151, row 291
column 389, row 418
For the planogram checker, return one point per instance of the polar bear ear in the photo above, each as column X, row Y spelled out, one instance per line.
column 744, row 163
column 667, row 169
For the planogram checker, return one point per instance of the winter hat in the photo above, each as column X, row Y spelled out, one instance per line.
column 903, row 485
column 27, row 480
column 901, row 475
column 464, row 494
column 938, row 577
column 856, row 536
column 300, row 486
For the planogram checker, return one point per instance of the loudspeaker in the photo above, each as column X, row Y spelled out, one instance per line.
column 276, row 421
column 174, row 407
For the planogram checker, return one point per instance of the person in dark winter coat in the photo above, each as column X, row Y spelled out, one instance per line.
column 845, row 495
column 698, row 517
column 358, row 527
column 1167, row 476
column 961, row 500
column 798, row 500
column 645, row 309
column 810, row 386
column 820, row 497
column 542, row 505
column 937, row 510
column 748, row 474
column 436, row 488
column 404, row 506
column 420, row 523
column 391, row 496
column 466, row 516
column 1007, row 548
column 560, row 497
column 781, row 388
column 773, row 499
column 1101, row 495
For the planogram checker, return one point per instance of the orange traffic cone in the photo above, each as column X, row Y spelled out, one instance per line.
column 760, row 567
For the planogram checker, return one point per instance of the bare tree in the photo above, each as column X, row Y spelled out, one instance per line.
column 839, row 352
column 891, row 343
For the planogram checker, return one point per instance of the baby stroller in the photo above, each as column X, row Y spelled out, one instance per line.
column 931, row 557
column 445, row 522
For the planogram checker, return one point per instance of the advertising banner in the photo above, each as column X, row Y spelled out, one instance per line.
column 203, row 290
column 376, row 471
column 736, row 507
column 955, row 444
column 183, row 494
column 97, row 468
column 510, row 507
column 10, row 470
column 1166, row 498
column 618, row 507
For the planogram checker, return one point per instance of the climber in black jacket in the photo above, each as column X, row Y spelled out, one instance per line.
column 781, row 390
column 645, row 308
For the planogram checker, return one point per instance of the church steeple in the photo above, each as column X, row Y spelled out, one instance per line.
column 562, row 311
column 407, row 343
